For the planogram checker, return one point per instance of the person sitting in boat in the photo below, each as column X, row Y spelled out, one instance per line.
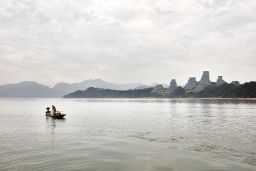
column 48, row 112
column 53, row 110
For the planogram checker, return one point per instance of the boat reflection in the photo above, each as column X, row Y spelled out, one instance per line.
column 53, row 125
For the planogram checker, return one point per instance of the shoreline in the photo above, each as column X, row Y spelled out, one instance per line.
column 175, row 98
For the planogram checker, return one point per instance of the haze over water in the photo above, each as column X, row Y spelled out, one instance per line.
column 128, row 134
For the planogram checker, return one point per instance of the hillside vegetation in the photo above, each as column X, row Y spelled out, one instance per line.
column 107, row 93
column 247, row 90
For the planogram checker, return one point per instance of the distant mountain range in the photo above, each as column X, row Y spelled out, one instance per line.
column 27, row 89
column 65, row 88
column 31, row 89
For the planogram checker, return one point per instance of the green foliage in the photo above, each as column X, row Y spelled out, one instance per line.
column 179, row 92
column 107, row 93
column 247, row 90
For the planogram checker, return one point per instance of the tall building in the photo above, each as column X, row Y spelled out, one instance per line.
column 236, row 83
column 191, row 85
column 220, row 81
column 173, row 86
column 204, row 82
column 205, row 79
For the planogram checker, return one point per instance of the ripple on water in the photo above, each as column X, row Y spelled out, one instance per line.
column 132, row 135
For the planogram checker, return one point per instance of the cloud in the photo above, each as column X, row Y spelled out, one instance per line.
column 126, row 41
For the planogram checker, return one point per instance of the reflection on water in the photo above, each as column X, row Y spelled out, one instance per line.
column 52, row 124
column 128, row 134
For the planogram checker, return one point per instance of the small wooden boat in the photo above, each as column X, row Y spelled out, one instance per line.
column 57, row 115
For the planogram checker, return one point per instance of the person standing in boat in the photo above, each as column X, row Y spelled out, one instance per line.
column 53, row 110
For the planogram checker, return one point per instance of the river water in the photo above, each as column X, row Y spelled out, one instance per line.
column 128, row 135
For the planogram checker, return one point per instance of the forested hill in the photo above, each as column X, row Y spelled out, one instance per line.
column 107, row 93
column 246, row 90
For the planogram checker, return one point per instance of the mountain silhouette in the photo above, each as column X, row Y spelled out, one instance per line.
column 32, row 89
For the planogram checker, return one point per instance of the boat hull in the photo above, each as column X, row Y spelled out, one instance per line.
column 57, row 116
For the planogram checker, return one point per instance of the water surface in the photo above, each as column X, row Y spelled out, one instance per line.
column 128, row 134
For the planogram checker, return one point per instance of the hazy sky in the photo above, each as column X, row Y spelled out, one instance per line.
column 126, row 41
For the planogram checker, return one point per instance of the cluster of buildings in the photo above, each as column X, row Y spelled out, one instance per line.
column 195, row 87
column 192, row 86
